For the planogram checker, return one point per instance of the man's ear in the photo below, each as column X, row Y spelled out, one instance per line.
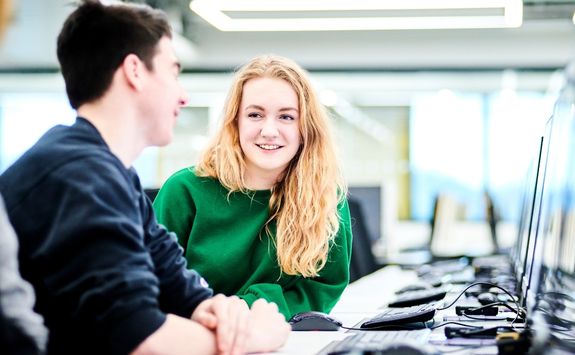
column 133, row 70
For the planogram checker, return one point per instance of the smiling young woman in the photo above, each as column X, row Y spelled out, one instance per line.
column 264, row 212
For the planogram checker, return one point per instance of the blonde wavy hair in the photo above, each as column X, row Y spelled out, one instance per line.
column 5, row 16
column 304, row 203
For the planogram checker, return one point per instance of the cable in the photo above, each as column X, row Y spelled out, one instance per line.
column 479, row 332
column 483, row 318
column 521, row 310
column 486, row 310
column 392, row 327
column 478, row 284
column 483, row 283
column 456, row 323
column 406, row 327
column 518, row 307
column 465, row 348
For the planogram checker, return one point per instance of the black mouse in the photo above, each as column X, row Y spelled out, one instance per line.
column 414, row 287
column 313, row 321
column 486, row 298
column 391, row 348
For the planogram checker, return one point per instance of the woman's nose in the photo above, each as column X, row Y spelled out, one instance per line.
column 269, row 128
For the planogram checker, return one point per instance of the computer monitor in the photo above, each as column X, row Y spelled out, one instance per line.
column 551, row 297
column 566, row 259
column 529, row 209
column 557, row 268
column 370, row 199
column 526, row 215
column 552, row 253
column 535, row 244
column 565, row 268
column 543, row 190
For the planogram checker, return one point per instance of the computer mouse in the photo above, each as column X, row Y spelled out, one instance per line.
column 414, row 287
column 314, row 321
column 487, row 298
column 392, row 348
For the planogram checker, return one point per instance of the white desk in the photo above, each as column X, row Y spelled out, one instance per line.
column 373, row 291
column 360, row 300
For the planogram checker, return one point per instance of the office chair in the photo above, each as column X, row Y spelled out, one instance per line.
column 363, row 261
column 492, row 218
column 443, row 222
column 151, row 193
column 446, row 228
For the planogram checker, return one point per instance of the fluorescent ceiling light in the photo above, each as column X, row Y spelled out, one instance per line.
column 330, row 15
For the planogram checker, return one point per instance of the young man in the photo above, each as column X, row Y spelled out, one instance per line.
column 108, row 278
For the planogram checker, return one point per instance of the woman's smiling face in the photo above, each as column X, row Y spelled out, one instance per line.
column 268, row 125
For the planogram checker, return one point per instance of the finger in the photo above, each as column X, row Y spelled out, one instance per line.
column 242, row 318
column 224, row 336
column 274, row 307
column 236, row 311
column 262, row 305
column 207, row 319
column 258, row 303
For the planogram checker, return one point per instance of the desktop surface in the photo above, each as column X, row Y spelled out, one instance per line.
column 363, row 299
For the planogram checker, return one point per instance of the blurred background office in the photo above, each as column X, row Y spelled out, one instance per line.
column 429, row 103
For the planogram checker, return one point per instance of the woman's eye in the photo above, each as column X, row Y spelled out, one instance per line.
column 287, row 117
column 254, row 115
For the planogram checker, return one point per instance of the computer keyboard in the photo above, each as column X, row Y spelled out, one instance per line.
column 413, row 298
column 401, row 316
column 373, row 341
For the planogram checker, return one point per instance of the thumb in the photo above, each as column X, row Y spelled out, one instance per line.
column 206, row 319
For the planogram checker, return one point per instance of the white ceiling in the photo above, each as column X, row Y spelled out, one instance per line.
column 545, row 40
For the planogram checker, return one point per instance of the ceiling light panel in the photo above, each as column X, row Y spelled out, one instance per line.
column 326, row 15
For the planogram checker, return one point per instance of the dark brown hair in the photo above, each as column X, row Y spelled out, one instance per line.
column 96, row 38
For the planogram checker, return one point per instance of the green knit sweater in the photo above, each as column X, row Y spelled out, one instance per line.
column 225, row 241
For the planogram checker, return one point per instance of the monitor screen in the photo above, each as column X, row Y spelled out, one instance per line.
column 529, row 208
column 559, row 255
column 550, row 293
column 533, row 238
column 369, row 198
column 552, row 253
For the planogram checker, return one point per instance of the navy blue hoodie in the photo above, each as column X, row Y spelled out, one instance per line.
column 105, row 273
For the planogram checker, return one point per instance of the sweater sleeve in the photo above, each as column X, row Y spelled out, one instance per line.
column 319, row 293
column 175, row 208
column 96, row 269
column 181, row 289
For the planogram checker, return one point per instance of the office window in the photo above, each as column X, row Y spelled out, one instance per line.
column 394, row 131
column 465, row 144
column 190, row 138
column 446, row 155
column 515, row 125
column 25, row 117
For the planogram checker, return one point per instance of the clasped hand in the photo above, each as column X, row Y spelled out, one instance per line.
column 238, row 329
